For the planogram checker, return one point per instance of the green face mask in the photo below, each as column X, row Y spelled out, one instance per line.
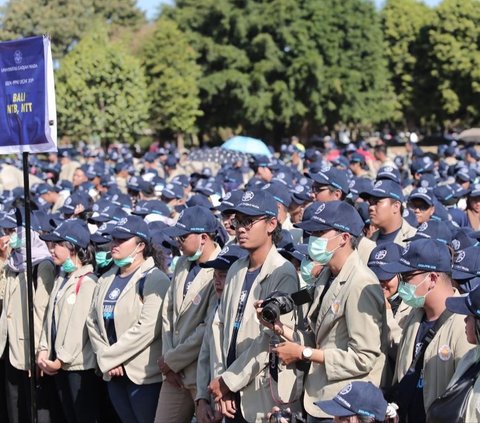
column 68, row 266
column 15, row 241
column 306, row 267
column 102, row 259
column 127, row 260
column 197, row 254
column 408, row 296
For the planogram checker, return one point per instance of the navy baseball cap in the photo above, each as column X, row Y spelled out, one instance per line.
column 129, row 227
column 110, row 212
column 337, row 215
column 467, row 305
column 138, row 184
column 433, row 229
column 423, row 194
column 196, row 219
column 199, row 200
column 102, row 235
column 357, row 158
column 301, row 193
column 381, row 255
column 358, row 397
column 463, row 238
column 10, row 219
column 385, row 188
column 72, row 230
column 331, row 176
column 44, row 188
column 421, row 254
column 445, row 194
column 257, row 203
column 229, row 255
column 359, row 186
column 229, row 201
column 122, row 200
column 76, row 199
column 389, row 172
column 152, row 207
column 474, row 191
column 280, row 192
column 182, row 180
column 171, row 191
column 466, row 264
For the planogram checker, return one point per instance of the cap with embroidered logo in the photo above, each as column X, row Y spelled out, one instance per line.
column 129, row 227
column 196, row 219
column 257, row 203
column 72, row 230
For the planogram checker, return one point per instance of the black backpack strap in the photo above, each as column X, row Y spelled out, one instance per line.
column 418, row 359
column 141, row 282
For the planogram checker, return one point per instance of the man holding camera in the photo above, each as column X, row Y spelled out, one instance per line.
column 346, row 338
column 242, row 379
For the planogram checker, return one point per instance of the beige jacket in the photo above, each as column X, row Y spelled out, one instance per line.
column 14, row 321
column 184, row 319
column 249, row 373
column 72, row 344
column 350, row 327
column 137, row 324
column 442, row 355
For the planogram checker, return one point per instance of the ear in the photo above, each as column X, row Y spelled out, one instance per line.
column 345, row 236
column 434, row 279
column 271, row 225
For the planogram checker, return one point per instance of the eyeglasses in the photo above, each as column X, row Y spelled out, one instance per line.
column 418, row 206
column 373, row 201
column 247, row 224
column 407, row 277
column 317, row 189
column 182, row 239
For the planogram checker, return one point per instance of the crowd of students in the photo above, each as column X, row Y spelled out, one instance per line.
column 315, row 285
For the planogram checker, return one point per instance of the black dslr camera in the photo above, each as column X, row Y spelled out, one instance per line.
column 278, row 303
column 288, row 416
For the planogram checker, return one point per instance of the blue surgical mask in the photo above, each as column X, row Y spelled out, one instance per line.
column 306, row 267
column 407, row 293
column 197, row 254
column 15, row 241
column 68, row 266
column 102, row 259
column 127, row 260
column 317, row 249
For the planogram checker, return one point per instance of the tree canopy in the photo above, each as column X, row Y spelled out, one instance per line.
column 101, row 92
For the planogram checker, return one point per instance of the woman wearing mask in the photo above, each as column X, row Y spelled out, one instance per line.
column 65, row 350
column 124, row 324
column 14, row 330
column 465, row 408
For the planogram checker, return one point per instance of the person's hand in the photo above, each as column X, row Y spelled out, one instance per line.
column 227, row 405
column 116, row 372
column 277, row 409
column 392, row 410
column 218, row 388
column 204, row 412
column 174, row 379
column 276, row 327
column 163, row 366
column 288, row 352
column 51, row 367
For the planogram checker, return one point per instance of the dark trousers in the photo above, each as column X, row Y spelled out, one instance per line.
column 134, row 403
column 79, row 395
column 18, row 398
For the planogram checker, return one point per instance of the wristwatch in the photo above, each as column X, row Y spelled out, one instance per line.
column 307, row 353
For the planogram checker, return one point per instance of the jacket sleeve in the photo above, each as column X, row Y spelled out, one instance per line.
column 186, row 352
column 167, row 317
column 46, row 278
column 364, row 310
column 203, row 364
column 93, row 327
column 253, row 360
column 76, row 337
column 143, row 332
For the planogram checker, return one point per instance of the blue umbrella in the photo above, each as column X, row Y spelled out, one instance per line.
column 247, row 145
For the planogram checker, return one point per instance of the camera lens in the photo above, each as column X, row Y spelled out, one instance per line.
column 271, row 312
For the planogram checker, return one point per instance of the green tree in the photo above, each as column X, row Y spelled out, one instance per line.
column 172, row 74
column 404, row 24
column 455, row 61
column 277, row 66
column 101, row 92
column 66, row 22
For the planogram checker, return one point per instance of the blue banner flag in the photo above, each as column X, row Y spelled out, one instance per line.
column 27, row 97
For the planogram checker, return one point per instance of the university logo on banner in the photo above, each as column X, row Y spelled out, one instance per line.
column 27, row 113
